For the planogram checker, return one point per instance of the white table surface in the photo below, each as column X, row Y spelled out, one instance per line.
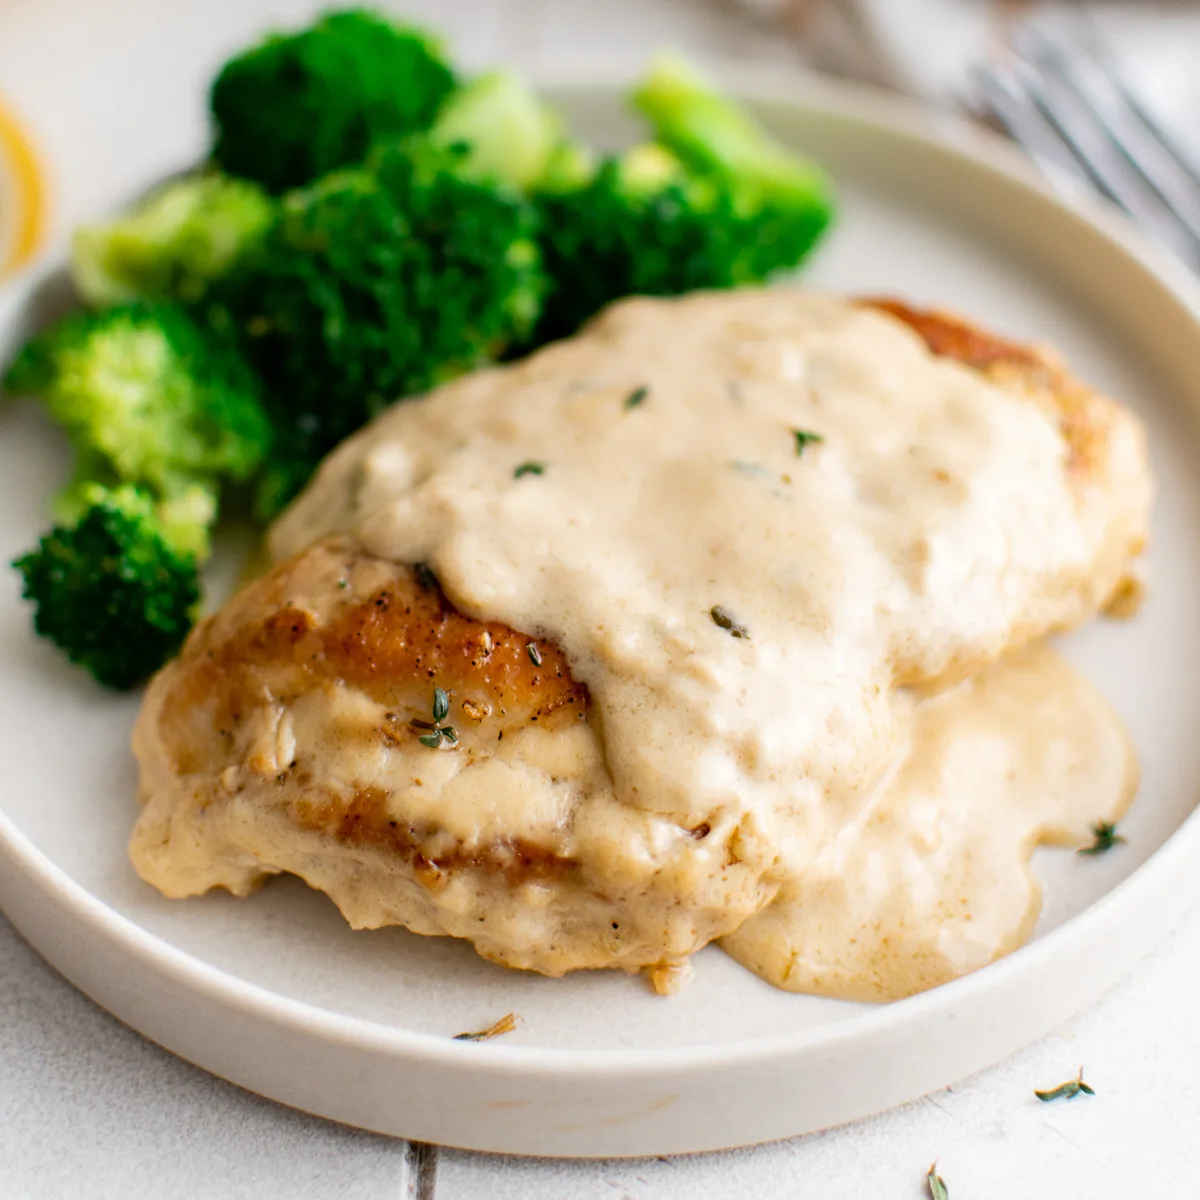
column 90, row 1110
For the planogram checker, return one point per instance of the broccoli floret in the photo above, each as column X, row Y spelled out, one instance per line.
column 569, row 167
column 299, row 105
column 172, row 246
column 511, row 132
column 712, row 135
column 110, row 590
column 149, row 393
column 642, row 224
column 186, row 515
column 380, row 283
column 633, row 225
column 715, row 203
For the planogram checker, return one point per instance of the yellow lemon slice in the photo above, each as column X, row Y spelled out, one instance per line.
column 22, row 194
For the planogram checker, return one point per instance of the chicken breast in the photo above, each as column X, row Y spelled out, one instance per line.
column 667, row 579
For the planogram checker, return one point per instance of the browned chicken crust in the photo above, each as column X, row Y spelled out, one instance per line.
column 386, row 632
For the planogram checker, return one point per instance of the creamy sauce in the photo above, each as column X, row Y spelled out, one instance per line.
column 744, row 604
column 931, row 879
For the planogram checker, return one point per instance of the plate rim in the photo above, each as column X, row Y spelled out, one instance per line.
column 1166, row 871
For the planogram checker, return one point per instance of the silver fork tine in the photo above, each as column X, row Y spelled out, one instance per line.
column 1085, row 135
column 1089, row 142
column 1169, row 175
column 1187, row 162
column 1028, row 127
column 1100, row 53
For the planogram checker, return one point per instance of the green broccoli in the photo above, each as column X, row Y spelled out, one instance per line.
column 173, row 245
column 381, row 282
column 299, row 105
column 149, row 394
column 712, row 135
column 636, row 225
column 642, row 224
column 714, row 204
column 512, row 134
column 186, row 514
column 111, row 590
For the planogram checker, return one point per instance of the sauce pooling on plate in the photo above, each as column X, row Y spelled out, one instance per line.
column 930, row 879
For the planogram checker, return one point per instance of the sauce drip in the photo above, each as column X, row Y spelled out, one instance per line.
column 931, row 879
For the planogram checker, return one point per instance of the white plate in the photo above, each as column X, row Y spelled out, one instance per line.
column 277, row 994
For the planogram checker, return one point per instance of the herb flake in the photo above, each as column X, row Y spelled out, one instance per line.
column 529, row 468
column 636, row 397
column 535, row 655
column 726, row 620
column 438, row 732
column 1106, row 837
column 1066, row 1091
column 803, row 438
column 936, row 1184
column 506, row 1024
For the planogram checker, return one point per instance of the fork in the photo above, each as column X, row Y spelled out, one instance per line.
column 1068, row 107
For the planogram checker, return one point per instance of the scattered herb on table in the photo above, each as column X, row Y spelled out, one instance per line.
column 535, row 655
column 803, row 438
column 1106, row 837
column 506, row 1024
column 636, row 397
column 1066, row 1091
column 937, row 1185
column 438, row 732
column 726, row 620
column 529, row 468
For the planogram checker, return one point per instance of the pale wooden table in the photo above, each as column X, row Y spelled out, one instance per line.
column 89, row 1110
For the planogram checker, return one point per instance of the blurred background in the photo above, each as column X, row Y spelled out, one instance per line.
column 98, row 95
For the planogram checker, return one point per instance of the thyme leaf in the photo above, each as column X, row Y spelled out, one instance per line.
column 937, row 1185
column 1066, row 1091
column 803, row 438
column 506, row 1024
column 426, row 579
column 1106, row 837
column 437, row 731
column 636, row 397
column 726, row 620
column 535, row 655
column 343, row 583
column 529, row 468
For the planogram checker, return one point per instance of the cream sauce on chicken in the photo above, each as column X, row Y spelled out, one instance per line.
column 751, row 520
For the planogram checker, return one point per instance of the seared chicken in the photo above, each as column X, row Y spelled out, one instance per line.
column 300, row 731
